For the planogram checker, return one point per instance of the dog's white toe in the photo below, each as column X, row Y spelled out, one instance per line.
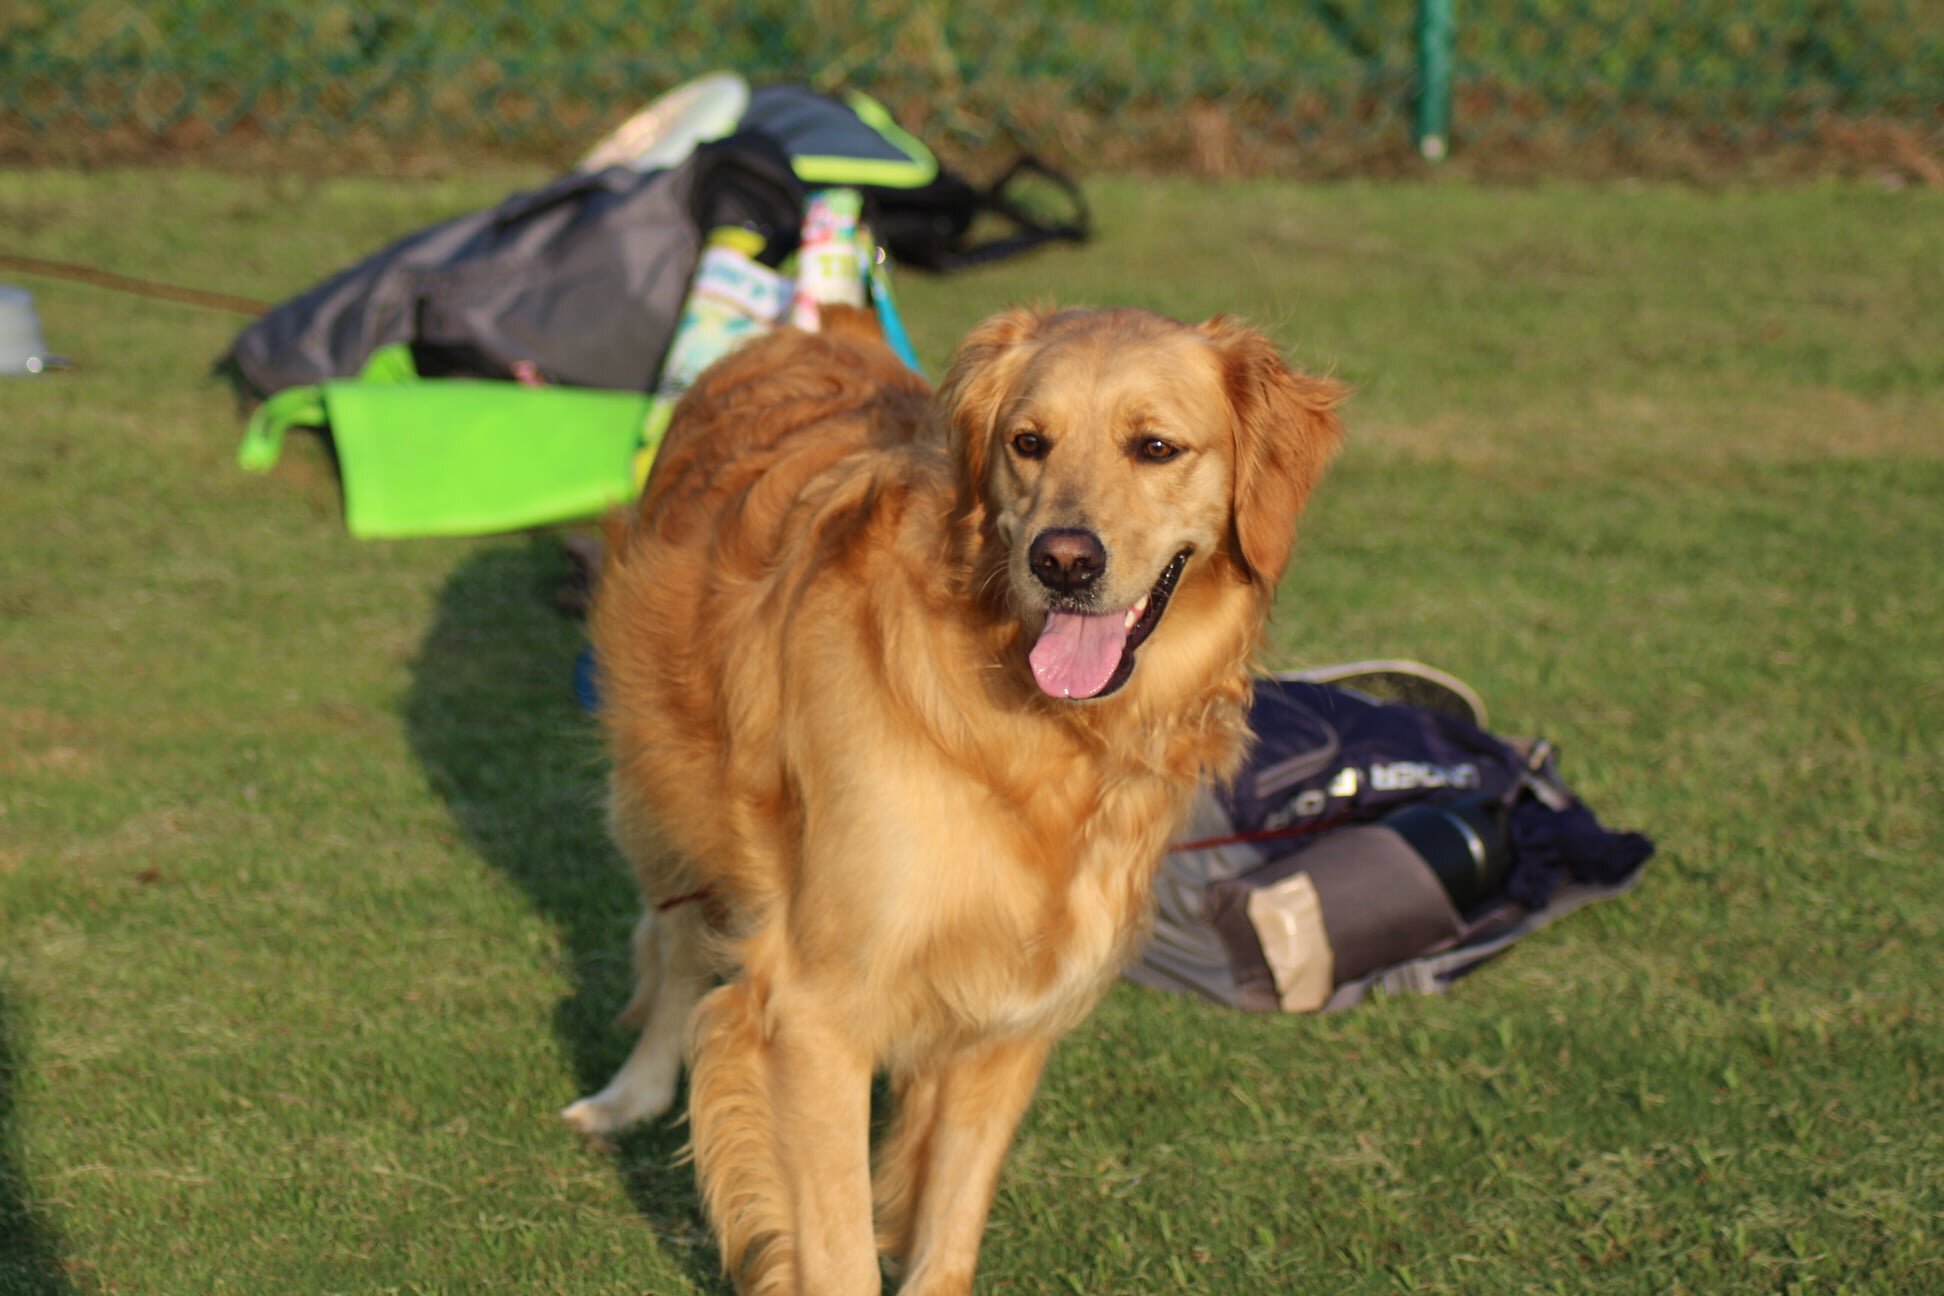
column 616, row 1108
column 588, row 1117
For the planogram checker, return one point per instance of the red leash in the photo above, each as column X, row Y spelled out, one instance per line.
column 676, row 902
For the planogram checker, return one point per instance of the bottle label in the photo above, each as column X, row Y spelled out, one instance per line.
column 744, row 286
column 828, row 269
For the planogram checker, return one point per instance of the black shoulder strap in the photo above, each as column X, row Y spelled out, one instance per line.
column 1031, row 228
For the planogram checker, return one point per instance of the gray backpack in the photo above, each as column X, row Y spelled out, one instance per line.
column 580, row 281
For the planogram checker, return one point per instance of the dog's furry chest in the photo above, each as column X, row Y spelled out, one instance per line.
column 990, row 891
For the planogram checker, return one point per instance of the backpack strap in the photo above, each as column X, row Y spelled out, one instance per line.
column 263, row 439
column 1030, row 228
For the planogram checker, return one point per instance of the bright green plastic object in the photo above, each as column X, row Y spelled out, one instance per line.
column 456, row 456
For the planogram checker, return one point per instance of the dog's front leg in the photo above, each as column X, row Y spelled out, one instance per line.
column 822, row 1083
column 780, row 1106
column 940, row 1164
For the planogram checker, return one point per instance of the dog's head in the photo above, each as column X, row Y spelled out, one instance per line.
column 1110, row 457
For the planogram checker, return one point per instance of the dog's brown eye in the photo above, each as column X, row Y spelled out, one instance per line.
column 1029, row 445
column 1155, row 450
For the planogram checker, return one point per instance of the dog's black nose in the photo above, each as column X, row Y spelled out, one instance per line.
column 1067, row 560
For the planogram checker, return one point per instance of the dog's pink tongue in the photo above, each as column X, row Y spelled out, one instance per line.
column 1077, row 653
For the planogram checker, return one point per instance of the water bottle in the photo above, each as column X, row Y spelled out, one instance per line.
column 733, row 298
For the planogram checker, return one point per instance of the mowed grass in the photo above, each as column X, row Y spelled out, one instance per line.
column 308, row 925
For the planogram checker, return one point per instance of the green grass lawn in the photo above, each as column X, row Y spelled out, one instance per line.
column 308, row 925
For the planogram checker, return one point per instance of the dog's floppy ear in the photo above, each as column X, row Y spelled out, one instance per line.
column 975, row 385
column 1286, row 429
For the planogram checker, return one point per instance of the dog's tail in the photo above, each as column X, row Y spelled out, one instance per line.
column 729, row 1123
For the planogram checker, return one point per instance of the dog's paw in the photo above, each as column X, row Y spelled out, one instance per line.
column 589, row 1117
column 615, row 1108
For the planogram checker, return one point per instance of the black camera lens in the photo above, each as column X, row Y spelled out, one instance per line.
column 1462, row 841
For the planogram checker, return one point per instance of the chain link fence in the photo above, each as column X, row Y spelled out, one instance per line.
column 1215, row 86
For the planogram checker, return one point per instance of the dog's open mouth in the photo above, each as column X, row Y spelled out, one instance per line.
column 1090, row 654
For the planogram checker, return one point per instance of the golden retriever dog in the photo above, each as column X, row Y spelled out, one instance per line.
column 905, row 697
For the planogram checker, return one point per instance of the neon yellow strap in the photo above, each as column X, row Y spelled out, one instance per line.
column 918, row 169
column 263, row 439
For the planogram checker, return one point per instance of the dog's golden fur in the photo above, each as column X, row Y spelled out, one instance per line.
column 911, row 857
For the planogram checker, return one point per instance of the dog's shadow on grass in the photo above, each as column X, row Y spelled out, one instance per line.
column 30, row 1252
column 493, row 718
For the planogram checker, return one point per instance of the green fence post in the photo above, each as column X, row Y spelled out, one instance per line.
column 1435, row 31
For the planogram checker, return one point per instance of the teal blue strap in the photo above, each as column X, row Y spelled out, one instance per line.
column 263, row 439
column 888, row 318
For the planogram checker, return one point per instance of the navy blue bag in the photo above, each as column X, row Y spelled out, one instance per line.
column 1373, row 842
